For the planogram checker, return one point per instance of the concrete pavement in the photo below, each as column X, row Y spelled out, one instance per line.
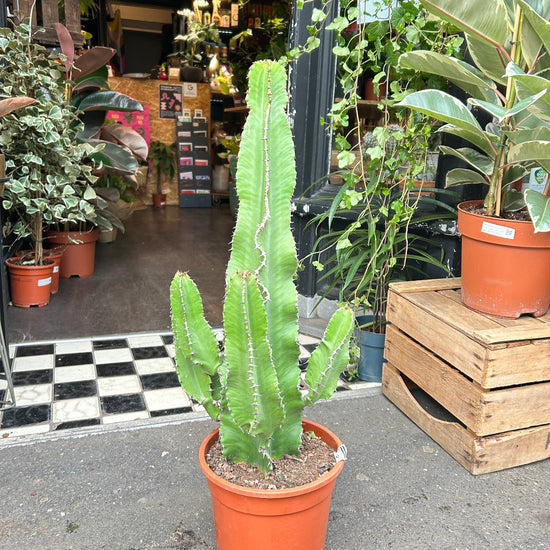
column 138, row 486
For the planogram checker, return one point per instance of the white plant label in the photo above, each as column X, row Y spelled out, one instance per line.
column 44, row 282
column 498, row 230
column 341, row 453
column 55, row 268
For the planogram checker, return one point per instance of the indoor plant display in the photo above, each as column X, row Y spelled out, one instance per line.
column 252, row 387
column 115, row 153
column 50, row 176
column 163, row 159
column 194, row 46
column 508, row 83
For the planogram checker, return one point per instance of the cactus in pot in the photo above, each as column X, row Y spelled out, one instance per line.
column 252, row 387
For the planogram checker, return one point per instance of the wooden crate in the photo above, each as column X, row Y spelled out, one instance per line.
column 492, row 375
column 46, row 13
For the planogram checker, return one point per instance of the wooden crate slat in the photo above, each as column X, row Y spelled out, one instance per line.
column 453, row 346
column 451, row 312
column 427, row 284
column 447, row 386
column 514, row 333
column 450, row 435
column 478, row 455
column 72, row 17
column 50, row 13
column 484, row 412
column 25, row 7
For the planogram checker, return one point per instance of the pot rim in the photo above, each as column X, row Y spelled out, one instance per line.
column 325, row 479
column 47, row 263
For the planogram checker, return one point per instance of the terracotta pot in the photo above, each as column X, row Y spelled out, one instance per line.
column 369, row 90
column 505, row 265
column 289, row 519
column 30, row 284
column 55, row 254
column 159, row 201
column 191, row 74
column 79, row 251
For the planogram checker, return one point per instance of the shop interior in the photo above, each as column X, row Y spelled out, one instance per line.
column 191, row 228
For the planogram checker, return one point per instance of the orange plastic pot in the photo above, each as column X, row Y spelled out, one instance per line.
column 55, row 254
column 505, row 265
column 30, row 284
column 289, row 519
column 79, row 251
column 159, row 200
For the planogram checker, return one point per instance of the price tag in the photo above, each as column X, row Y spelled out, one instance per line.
column 498, row 230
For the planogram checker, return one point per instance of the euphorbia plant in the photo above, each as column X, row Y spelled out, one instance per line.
column 252, row 387
column 509, row 42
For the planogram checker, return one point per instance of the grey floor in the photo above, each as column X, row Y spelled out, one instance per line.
column 129, row 290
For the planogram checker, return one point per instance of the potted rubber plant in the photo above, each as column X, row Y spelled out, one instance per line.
column 252, row 387
column 163, row 160
column 115, row 150
column 506, row 237
column 50, row 175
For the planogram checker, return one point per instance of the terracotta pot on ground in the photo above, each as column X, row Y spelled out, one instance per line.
column 55, row 254
column 79, row 251
column 505, row 265
column 289, row 519
column 30, row 284
column 159, row 200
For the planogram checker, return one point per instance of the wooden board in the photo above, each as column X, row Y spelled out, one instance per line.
column 483, row 411
column 478, row 455
column 487, row 349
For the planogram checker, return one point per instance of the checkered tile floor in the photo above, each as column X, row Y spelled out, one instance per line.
column 78, row 383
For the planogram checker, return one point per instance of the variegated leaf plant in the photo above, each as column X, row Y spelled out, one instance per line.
column 252, row 387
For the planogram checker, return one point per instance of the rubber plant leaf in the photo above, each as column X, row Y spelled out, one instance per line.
column 11, row 104
column 92, row 60
column 66, row 43
column 126, row 136
column 465, row 76
column 486, row 30
column 106, row 100
column 115, row 158
column 477, row 160
column 538, row 206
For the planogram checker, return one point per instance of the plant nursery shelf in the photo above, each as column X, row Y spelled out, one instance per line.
column 489, row 375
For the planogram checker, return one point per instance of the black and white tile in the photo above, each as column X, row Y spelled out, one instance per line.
column 78, row 383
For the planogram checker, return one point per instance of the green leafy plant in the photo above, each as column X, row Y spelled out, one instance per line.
column 50, row 172
column 117, row 148
column 252, row 387
column 508, row 80
column 369, row 240
column 163, row 158
column 194, row 45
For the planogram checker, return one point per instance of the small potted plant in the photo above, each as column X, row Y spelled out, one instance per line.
column 505, row 255
column 193, row 46
column 163, row 160
column 253, row 386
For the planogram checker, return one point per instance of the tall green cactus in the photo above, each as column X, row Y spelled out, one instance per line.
column 252, row 388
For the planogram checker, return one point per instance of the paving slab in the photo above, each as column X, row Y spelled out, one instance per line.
column 138, row 486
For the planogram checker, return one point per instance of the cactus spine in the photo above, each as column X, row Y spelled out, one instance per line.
column 253, row 387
